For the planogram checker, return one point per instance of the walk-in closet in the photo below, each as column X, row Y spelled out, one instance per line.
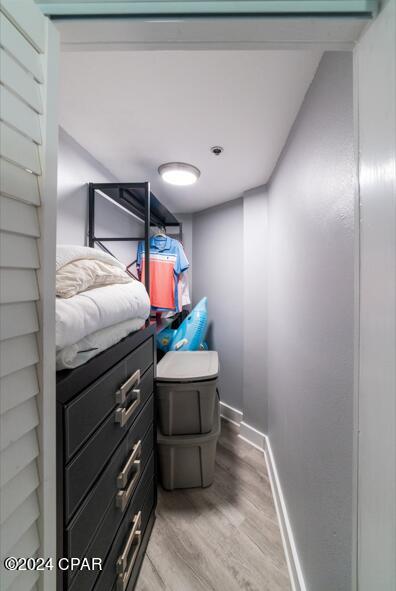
column 193, row 351
column 268, row 233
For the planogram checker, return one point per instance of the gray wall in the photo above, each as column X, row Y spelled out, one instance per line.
column 230, row 266
column 255, row 281
column 76, row 168
column 278, row 268
column 310, row 325
column 218, row 264
column 187, row 220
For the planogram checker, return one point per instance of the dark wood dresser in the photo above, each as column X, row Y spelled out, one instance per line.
column 106, row 464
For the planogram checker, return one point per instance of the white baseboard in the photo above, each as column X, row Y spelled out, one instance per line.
column 231, row 414
column 252, row 436
column 292, row 558
column 246, row 432
column 261, row 441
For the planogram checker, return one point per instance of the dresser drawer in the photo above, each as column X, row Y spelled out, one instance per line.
column 83, row 470
column 109, row 578
column 142, row 500
column 87, row 411
column 136, row 447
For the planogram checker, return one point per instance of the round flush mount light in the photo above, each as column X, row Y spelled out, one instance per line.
column 179, row 173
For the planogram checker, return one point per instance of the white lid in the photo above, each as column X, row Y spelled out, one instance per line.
column 181, row 366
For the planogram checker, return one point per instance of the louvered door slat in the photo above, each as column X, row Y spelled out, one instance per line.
column 19, row 115
column 17, row 490
column 17, row 387
column 18, row 251
column 19, row 218
column 18, row 285
column 17, row 319
column 19, row 522
column 16, row 182
column 18, row 421
column 17, row 456
column 27, row 546
column 17, row 353
column 21, row 82
column 16, row 44
column 25, row 581
column 25, row 16
column 20, row 150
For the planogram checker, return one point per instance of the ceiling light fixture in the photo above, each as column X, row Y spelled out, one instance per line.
column 179, row 173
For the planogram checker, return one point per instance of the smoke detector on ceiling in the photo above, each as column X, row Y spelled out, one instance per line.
column 217, row 150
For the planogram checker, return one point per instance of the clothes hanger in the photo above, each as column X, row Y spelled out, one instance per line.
column 161, row 232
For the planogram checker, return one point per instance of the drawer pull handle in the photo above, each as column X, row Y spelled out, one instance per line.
column 122, row 415
column 127, row 386
column 122, row 478
column 123, row 496
column 124, row 569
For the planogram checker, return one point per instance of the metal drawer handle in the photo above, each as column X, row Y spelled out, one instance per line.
column 122, row 415
column 123, row 496
column 127, row 386
column 122, row 478
column 124, row 569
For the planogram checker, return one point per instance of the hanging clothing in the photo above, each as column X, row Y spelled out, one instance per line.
column 167, row 261
column 184, row 292
column 183, row 296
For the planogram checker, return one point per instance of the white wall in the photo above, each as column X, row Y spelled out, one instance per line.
column 375, row 60
column 77, row 168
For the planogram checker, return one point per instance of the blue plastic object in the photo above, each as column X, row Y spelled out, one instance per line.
column 165, row 338
column 190, row 336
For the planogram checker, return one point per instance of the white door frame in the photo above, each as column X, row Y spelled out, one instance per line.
column 205, row 33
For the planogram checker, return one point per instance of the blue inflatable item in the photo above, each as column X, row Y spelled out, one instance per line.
column 190, row 336
column 191, row 333
column 165, row 338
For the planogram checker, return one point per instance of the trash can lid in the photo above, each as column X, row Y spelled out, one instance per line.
column 184, row 366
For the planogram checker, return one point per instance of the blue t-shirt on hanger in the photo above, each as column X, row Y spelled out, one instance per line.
column 167, row 261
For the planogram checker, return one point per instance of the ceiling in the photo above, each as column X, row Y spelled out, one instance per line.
column 134, row 110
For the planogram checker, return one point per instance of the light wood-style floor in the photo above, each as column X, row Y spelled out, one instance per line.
column 222, row 538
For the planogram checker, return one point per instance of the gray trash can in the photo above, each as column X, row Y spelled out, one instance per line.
column 188, row 461
column 186, row 390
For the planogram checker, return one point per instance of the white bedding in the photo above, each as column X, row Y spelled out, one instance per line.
column 68, row 253
column 93, row 310
column 91, row 345
column 85, row 274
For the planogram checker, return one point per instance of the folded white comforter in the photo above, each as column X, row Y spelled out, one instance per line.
column 68, row 253
column 93, row 344
column 99, row 308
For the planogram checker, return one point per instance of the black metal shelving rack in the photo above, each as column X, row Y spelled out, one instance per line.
column 138, row 200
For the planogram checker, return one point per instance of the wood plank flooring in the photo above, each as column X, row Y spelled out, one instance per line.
column 222, row 538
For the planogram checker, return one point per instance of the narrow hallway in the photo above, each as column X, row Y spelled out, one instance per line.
column 225, row 537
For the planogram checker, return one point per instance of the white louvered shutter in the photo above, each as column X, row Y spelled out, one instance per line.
column 28, row 146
